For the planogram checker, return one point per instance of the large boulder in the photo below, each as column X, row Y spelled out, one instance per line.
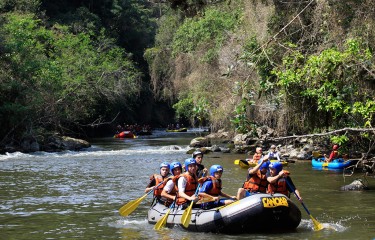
column 57, row 143
column 29, row 144
column 356, row 185
column 200, row 142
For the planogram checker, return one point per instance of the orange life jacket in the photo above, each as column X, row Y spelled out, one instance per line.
column 191, row 187
column 256, row 183
column 158, row 179
column 216, row 185
column 280, row 186
column 173, row 192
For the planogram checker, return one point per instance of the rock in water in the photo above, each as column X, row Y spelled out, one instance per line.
column 356, row 185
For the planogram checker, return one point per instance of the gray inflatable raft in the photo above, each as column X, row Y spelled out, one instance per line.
column 258, row 212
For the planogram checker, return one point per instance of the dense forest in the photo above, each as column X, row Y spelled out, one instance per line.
column 81, row 67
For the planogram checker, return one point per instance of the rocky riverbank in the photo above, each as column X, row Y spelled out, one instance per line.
column 48, row 143
column 299, row 148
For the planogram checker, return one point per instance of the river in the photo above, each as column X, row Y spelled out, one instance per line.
column 76, row 195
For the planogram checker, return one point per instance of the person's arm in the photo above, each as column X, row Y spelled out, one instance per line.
column 223, row 194
column 256, row 168
column 294, row 187
column 151, row 184
column 277, row 177
column 167, row 189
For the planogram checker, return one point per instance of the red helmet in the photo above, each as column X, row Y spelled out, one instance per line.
column 335, row 147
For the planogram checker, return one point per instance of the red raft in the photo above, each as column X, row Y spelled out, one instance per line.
column 125, row 134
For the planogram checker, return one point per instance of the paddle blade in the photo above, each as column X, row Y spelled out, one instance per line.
column 205, row 199
column 186, row 216
column 130, row 206
column 162, row 222
column 244, row 164
column 317, row 225
column 325, row 164
column 237, row 161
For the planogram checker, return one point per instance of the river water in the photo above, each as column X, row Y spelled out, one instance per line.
column 76, row 195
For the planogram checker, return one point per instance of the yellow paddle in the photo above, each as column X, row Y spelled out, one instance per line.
column 206, row 199
column 237, row 161
column 317, row 225
column 132, row 205
column 163, row 221
column 244, row 164
column 186, row 216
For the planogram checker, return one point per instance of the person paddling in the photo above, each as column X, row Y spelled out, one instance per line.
column 273, row 154
column 334, row 154
column 187, row 184
column 156, row 179
column 257, row 155
column 278, row 181
column 169, row 193
column 211, row 189
column 256, row 179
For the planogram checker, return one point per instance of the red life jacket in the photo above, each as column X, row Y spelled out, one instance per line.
column 333, row 155
column 280, row 186
column 190, row 188
column 257, row 183
column 216, row 186
column 158, row 179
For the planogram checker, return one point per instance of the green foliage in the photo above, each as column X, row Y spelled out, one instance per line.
column 240, row 120
column 201, row 110
column 330, row 81
column 254, row 56
column 56, row 78
column 212, row 27
column 184, row 107
column 192, row 109
column 340, row 140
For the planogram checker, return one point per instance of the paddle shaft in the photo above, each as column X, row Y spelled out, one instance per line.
column 186, row 216
column 163, row 221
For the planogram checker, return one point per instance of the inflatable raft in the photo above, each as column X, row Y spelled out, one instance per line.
column 125, row 134
column 258, row 212
column 335, row 164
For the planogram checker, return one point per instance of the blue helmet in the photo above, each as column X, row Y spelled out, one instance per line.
column 188, row 162
column 264, row 165
column 215, row 168
column 164, row 164
column 175, row 165
column 278, row 166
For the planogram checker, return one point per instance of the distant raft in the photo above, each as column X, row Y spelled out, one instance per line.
column 339, row 163
column 258, row 212
column 125, row 134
